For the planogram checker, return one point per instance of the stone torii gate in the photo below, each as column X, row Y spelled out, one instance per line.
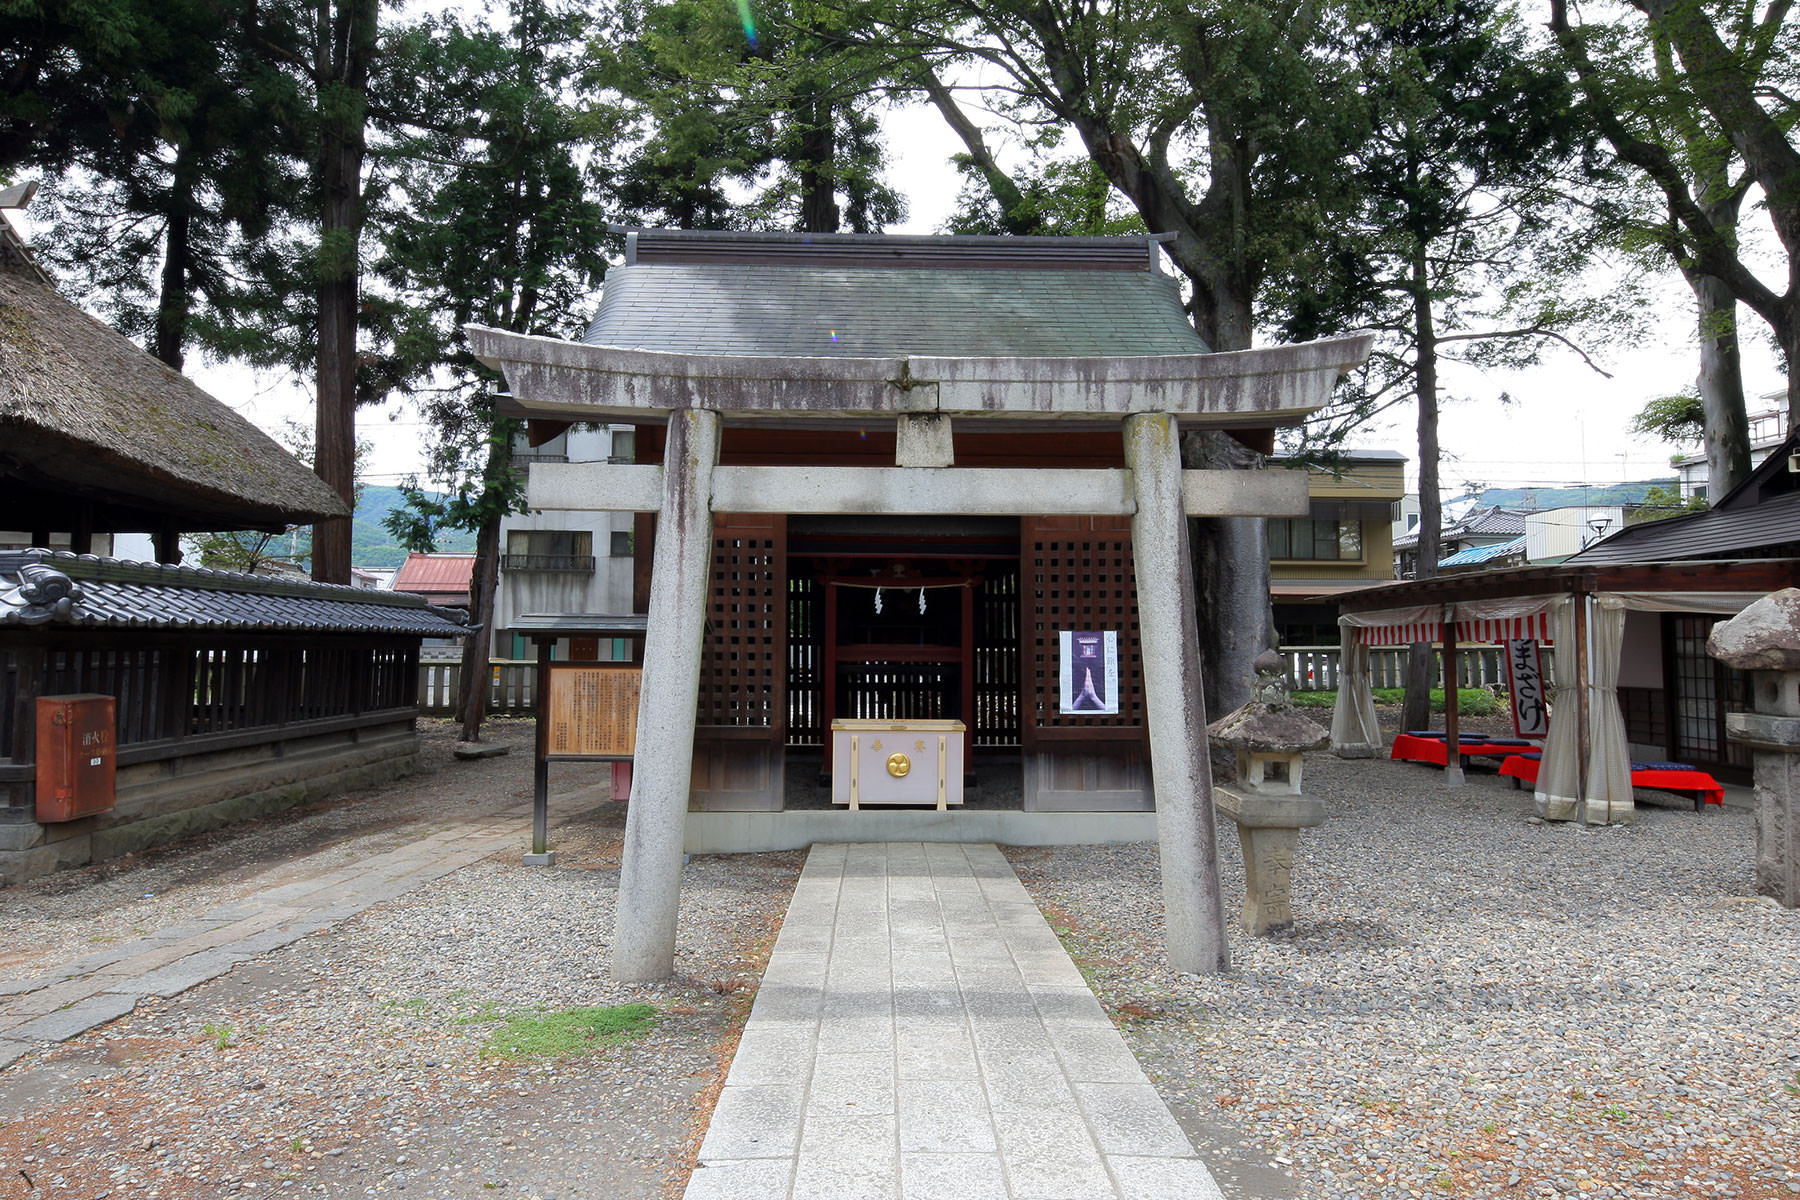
column 1153, row 397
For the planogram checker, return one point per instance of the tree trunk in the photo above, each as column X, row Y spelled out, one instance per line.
column 477, row 648
column 341, row 74
column 1416, row 712
column 1230, row 554
column 1721, row 385
column 1788, row 334
column 818, row 179
column 174, row 298
column 1231, row 579
column 1721, row 380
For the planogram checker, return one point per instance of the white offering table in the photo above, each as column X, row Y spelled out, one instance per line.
column 897, row 762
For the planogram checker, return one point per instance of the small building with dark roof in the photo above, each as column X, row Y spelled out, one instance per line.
column 235, row 695
column 232, row 695
column 1656, row 590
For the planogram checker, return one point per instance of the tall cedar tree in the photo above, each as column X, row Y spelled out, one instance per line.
column 491, row 222
column 166, row 136
column 747, row 116
column 344, row 42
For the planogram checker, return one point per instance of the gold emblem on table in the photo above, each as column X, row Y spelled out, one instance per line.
column 898, row 765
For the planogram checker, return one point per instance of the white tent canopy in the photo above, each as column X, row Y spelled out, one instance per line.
column 1599, row 788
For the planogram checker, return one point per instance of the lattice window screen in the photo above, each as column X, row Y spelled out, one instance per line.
column 742, row 665
column 1078, row 575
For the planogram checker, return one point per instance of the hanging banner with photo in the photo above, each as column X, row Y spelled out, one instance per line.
column 1525, row 680
column 1090, row 672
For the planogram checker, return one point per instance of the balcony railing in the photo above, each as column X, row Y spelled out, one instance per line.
column 583, row 563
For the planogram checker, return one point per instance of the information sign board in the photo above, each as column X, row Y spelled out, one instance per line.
column 592, row 711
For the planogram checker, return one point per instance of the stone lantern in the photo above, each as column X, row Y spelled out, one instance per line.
column 1765, row 639
column 1269, row 737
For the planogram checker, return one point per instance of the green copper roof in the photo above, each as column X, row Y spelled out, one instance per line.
column 860, row 296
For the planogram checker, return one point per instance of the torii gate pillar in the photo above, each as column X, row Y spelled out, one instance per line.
column 650, row 868
column 1175, row 706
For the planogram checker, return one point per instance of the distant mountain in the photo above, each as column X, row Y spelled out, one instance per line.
column 371, row 545
column 1600, row 495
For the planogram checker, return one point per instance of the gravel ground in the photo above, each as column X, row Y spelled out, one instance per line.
column 1473, row 1004
column 352, row 1063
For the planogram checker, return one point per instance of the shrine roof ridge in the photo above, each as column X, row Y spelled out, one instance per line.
column 684, row 246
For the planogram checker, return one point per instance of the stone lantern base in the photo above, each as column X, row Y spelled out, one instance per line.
column 1269, row 831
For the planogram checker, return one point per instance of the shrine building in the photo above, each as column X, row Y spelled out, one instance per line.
column 928, row 490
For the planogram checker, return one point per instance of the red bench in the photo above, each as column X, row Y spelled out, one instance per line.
column 1664, row 776
column 1433, row 748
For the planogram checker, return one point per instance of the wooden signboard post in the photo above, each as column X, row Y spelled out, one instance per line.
column 587, row 712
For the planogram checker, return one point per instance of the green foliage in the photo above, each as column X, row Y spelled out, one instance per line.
column 1678, row 418
column 556, row 1035
column 1470, row 702
column 1473, row 213
column 1062, row 198
column 493, row 222
column 1663, row 503
column 757, row 117
column 166, row 135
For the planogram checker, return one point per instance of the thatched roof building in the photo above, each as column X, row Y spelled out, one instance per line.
column 97, row 436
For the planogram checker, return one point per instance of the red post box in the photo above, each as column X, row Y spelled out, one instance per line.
column 77, row 767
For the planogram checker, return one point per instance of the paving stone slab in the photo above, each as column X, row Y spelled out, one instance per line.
column 179, row 976
column 76, row 1019
column 49, row 999
column 12, row 1051
column 1164, row 1178
column 859, row 1084
column 743, row 1179
column 755, row 1121
column 952, row 1177
column 18, row 987
column 848, row 1158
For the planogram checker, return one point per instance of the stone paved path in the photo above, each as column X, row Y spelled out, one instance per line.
column 74, row 997
column 920, row 1033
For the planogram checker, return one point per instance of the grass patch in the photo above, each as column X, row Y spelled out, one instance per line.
column 1470, row 702
column 564, row 1034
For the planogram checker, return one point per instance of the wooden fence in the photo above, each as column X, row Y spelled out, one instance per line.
column 512, row 683
column 512, row 688
column 1315, row 668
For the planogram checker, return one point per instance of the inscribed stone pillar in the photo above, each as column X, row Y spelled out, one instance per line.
column 650, row 873
column 1765, row 639
column 1175, row 708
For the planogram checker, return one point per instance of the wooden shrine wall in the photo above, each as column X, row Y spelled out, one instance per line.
column 1076, row 573
column 739, row 735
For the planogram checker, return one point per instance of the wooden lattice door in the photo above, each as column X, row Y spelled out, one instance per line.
column 743, row 664
column 1076, row 573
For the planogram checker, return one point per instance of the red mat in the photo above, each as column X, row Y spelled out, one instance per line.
column 1526, row 770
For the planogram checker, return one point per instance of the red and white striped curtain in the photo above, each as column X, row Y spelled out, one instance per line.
column 1494, row 630
column 1404, row 634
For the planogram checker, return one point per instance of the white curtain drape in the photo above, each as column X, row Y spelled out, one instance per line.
column 1609, row 756
column 1355, row 729
column 1559, row 771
